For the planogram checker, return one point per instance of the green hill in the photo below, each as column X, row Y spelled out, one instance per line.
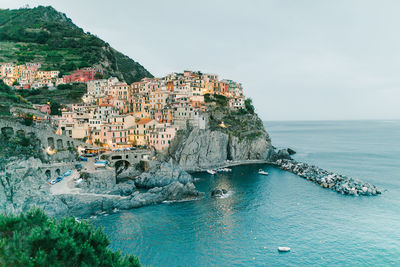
column 44, row 35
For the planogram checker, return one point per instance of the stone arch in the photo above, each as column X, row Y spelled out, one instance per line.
column 68, row 144
column 126, row 156
column 60, row 144
column 50, row 142
column 48, row 174
column 120, row 166
column 7, row 132
column 58, row 172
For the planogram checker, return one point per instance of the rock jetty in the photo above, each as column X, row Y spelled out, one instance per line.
column 327, row 179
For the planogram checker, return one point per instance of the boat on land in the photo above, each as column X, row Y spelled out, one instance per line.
column 283, row 249
column 212, row 172
column 260, row 171
column 100, row 164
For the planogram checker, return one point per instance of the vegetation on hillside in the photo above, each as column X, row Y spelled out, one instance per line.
column 243, row 123
column 42, row 34
column 64, row 94
column 34, row 239
column 9, row 98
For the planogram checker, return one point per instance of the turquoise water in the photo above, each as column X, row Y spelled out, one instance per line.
column 264, row 212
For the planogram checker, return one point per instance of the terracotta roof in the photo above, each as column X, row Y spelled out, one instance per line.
column 144, row 121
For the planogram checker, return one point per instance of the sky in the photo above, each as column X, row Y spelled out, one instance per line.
column 297, row 60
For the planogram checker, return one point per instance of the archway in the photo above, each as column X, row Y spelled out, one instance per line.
column 50, row 142
column 120, row 166
column 58, row 171
column 59, row 144
column 48, row 174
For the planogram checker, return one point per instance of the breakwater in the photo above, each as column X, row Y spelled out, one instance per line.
column 326, row 179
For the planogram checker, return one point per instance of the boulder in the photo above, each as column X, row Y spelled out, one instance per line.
column 218, row 192
column 283, row 154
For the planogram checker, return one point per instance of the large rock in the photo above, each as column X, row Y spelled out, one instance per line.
column 161, row 174
column 99, row 181
column 218, row 192
column 205, row 149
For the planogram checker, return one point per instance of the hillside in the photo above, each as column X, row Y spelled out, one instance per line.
column 44, row 35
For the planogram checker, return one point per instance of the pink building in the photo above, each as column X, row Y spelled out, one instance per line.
column 82, row 75
column 114, row 135
column 43, row 108
column 161, row 138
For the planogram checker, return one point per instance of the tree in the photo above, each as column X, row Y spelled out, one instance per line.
column 55, row 108
column 28, row 120
column 34, row 239
column 248, row 103
column 98, row 76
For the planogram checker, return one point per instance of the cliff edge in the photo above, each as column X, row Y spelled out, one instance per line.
column 231, row 135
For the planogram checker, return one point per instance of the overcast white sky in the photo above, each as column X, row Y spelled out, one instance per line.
column 297, row 60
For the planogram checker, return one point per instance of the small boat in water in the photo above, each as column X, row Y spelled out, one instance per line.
column 260, row 171
column 283, row 249
column 224, row 170
column 212, row 172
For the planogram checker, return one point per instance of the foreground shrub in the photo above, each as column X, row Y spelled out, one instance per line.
column 34, row 239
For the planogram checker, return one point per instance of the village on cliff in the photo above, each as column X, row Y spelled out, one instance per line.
column 115, row 115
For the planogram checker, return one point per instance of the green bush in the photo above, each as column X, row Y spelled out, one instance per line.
column 248, row 103
column 34, row 239
column 221, row 100
column 28, row 121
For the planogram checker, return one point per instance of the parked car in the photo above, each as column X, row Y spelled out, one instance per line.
column 53, row 182
column 68, row 173
column 59, row 178
column 82, row 158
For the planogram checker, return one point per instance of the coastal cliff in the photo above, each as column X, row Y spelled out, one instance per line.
column 232, row 135
column 199, row 150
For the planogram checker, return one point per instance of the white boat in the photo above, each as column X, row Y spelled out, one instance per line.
column 260, row 171
column 212, row 172
column 283, row 249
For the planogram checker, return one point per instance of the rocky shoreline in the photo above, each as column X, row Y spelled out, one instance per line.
column 327, row 179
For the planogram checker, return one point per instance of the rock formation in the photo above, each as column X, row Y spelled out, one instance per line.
column 199, row 150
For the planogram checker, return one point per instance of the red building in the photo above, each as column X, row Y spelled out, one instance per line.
column 81, row 75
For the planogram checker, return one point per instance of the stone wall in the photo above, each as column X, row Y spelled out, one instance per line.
column 44, row 132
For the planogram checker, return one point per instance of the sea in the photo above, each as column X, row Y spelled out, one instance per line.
column 261, row 213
